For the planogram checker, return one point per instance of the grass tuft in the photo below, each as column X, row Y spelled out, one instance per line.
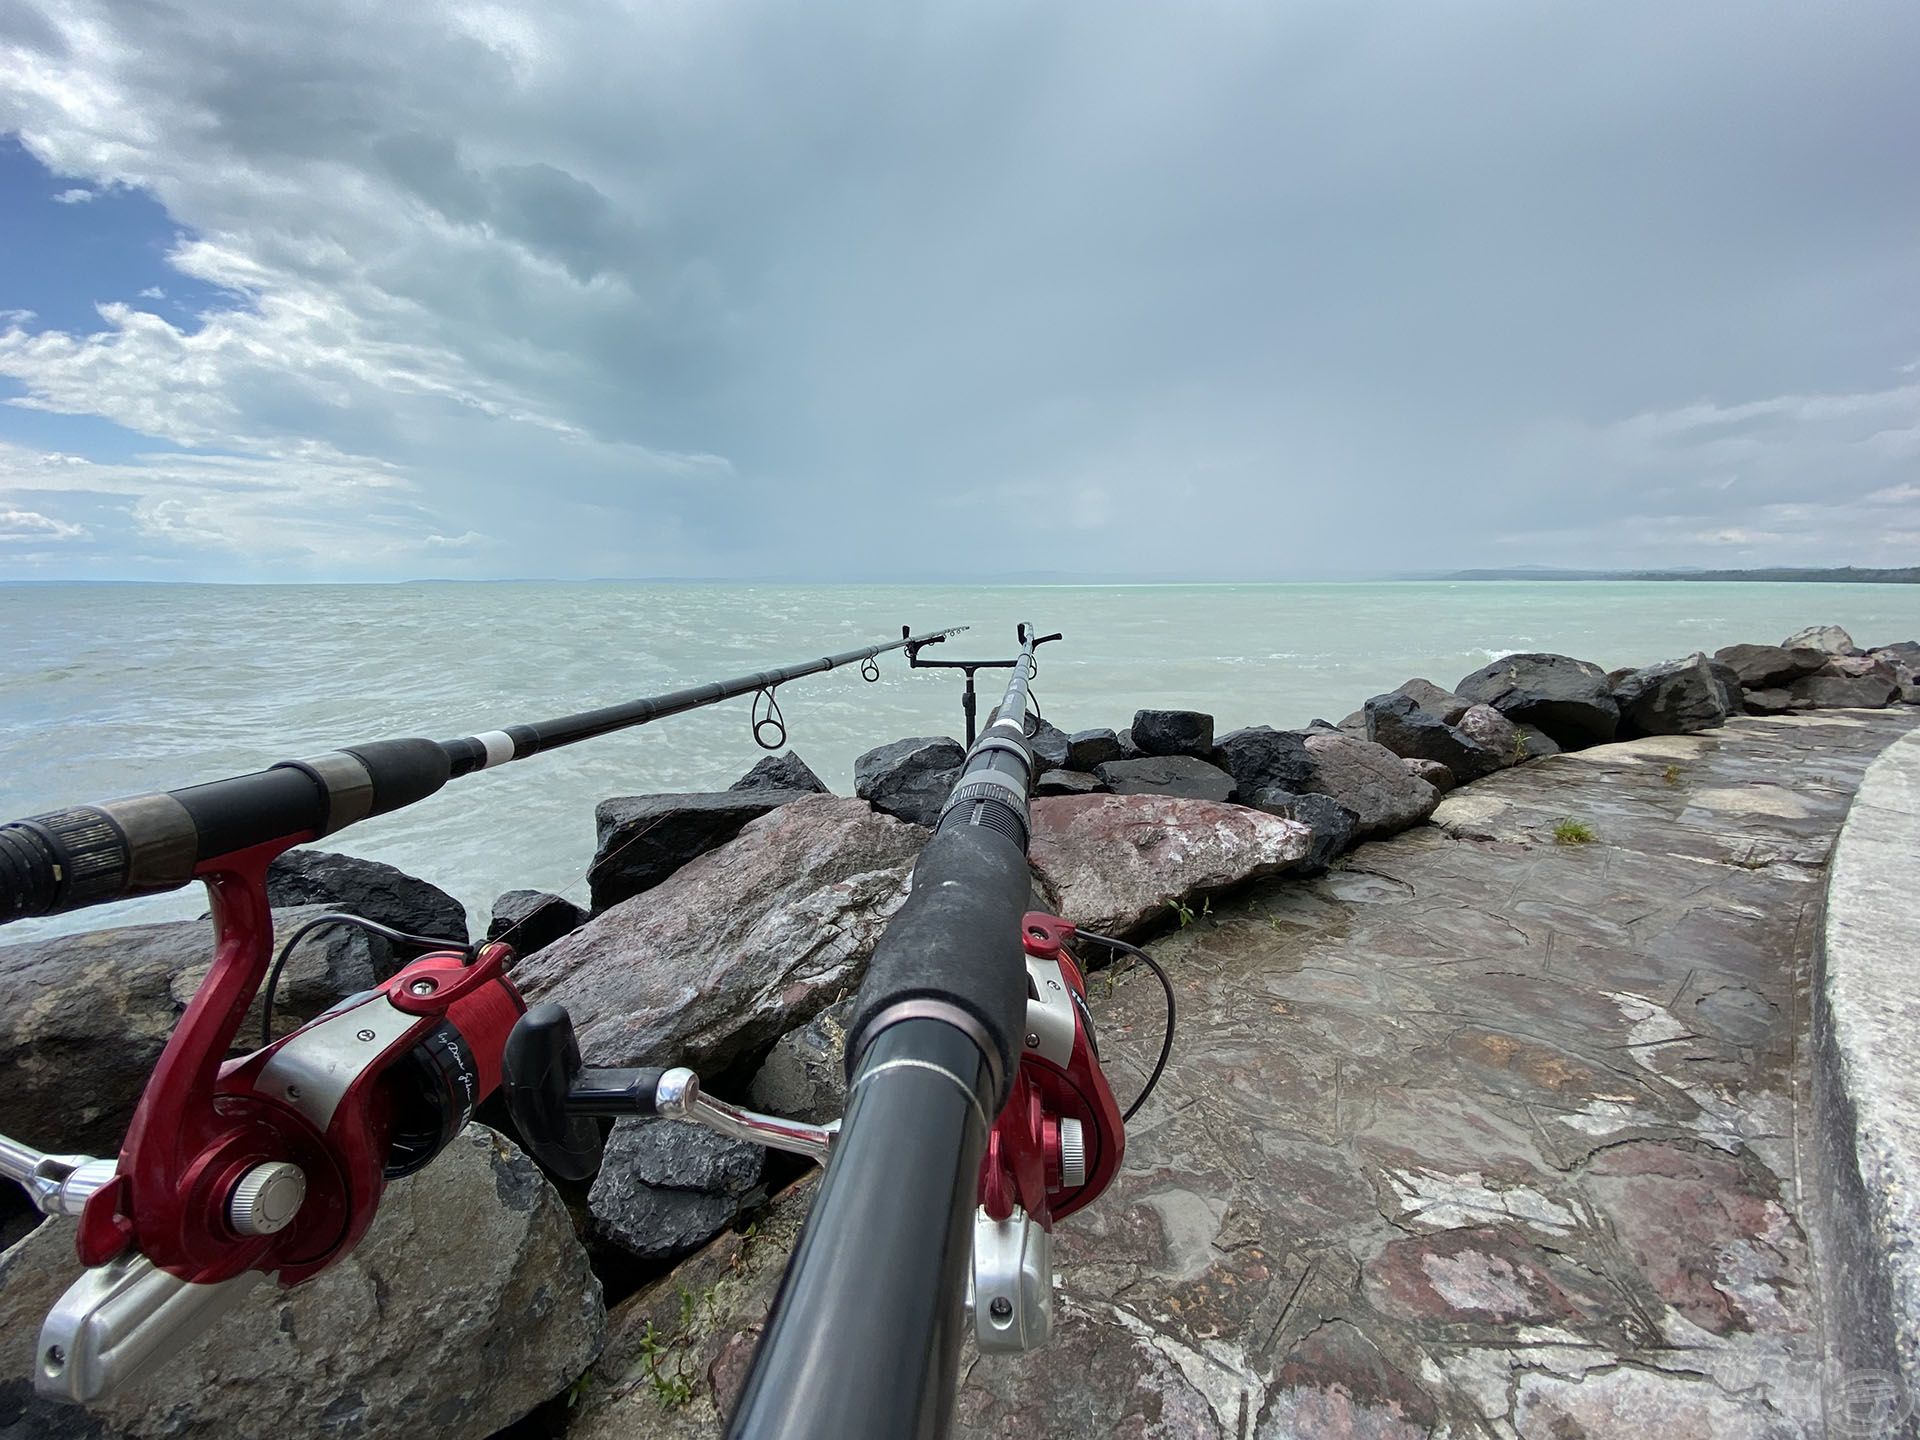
column 1573, row 832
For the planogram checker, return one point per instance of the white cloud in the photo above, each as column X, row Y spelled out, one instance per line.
column 29, row 525
column 153, row 292
column 76, row 196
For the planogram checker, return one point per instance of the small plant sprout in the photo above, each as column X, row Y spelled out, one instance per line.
column 1183, row 912
column 1671, row 774
column 1520, row 751
column 1573, row 832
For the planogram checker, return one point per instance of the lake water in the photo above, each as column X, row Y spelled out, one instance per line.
column 111, row 690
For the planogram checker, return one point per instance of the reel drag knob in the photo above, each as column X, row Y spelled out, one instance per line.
column 267, row 1198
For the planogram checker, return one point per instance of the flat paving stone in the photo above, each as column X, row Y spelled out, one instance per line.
column 1478, row 1135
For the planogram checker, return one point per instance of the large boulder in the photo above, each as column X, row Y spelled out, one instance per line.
column 1493, row 733
column 668, row 1186
column 1331, row 823
column 531, row 920
column 1566, row 698
column 1843, row 692
column 1830, row 639
column 645, row 838
column 1111, row 863
column 1050, row 745
column 1067, row 782
column 910, row 779
column 1767, row 702
column 1432, row 700
column 1173, row 732
column 1180, row 775
column 365, row 887
column 1769, row 667
column 1262, row 758
column 1433, row 772
column 1396, row 721
column 735, row 949
column 1088, row 748
column 804, row 1076
column 782, row 772
column 1370, row 781
column 468, row 1304
column 1677, row 697
column 83, row 1017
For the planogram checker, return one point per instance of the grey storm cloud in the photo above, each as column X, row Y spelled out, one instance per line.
column 750, row 288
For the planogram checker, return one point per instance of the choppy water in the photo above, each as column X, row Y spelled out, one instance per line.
column 109, row 690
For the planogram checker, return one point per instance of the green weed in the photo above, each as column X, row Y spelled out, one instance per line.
column 1573, row 832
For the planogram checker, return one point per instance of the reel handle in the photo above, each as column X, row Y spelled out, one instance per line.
column 554, row 1096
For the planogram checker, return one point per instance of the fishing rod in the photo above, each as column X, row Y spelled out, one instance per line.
column 977, row 1117
column 90, row 854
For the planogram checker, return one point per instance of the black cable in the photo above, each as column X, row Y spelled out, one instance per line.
column 333, row 917
column 1166, row 1043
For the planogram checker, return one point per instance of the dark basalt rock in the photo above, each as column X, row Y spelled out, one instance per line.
column 1429, row 697
column 1179, row 775
column 1536, row 743
column 1370, row 781
column 804, row 1076
column 531, row 920
column 1333, row 824
column 909, row 779
column 366, row 887
column 1567, row 698
column 1396, row 721
column 1769, row 667
column 645, row 838
column 1767, row 702
column 1262, row 758
column 1088, row 748
column 1067, row 782
column 666, row 1187
column 1677, row 697
column 1844, row 692
column 1173, row 732
column 1050, row 746
column 782, row 772
column 1433, row 772
column 1129, row 750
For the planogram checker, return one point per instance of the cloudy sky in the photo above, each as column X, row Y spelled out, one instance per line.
column 365, row 291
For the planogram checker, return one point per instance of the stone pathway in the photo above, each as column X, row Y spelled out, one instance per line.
column 1481, row 1135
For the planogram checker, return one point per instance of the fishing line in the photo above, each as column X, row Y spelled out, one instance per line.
column 1166, row 1042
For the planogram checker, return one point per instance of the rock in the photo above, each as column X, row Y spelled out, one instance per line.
column 1050, row 745
column 1370, row 781
column 737, row 948
column 1861, row 667
column 1129, row 750
column 1910, row 694
column 1317, row 726
column 1433, row 772
column 1494, row 733
column 1769, row 667
column 782, row 772
column 468, row 1303
column 1067, row 782
column 1180, row 775
column 1536, row 743
column 1767, row 702
column 1354, row 724
column 645, row 838
column 1173, row 732
column 668, row 1186
column 1331, row 822
column 531, row 920
column 1901, row 652
column 83, row 1017
column 1262, row 758
column 1842, row 692
column 804, row 1075
column 1566, row 698
column 365, row 887
column 910, row 779
column 1397, row 722
column 1830, row 639
column 1430, row 699
column 1675, row 697
column 1113, row 862
column 1088, row 748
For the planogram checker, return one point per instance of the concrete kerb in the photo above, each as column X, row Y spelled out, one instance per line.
column 1866, row 1103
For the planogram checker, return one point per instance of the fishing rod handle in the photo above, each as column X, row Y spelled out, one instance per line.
column 91, row 854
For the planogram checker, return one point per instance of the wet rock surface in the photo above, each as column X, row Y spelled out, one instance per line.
column 909, row 779
column 1568, row 699
column 1397, row 722
column 740, row 946
column 1475, row 1135
column 1173, row 732
column 782, row 772
column 468, row 1303
column 1677, row 697
column 804, row 1076
column 1262, row 758
column 1114, row 862
column 1765, row 667
column 1088, row 748
column 531, row 920
column 1370, row 781
column 1050, row 745
column 1177, row 775
column 365, row 887
column 666, row 1187
column 645, row 838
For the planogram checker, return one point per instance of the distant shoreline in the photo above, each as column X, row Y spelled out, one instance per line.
column 1844, row 575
